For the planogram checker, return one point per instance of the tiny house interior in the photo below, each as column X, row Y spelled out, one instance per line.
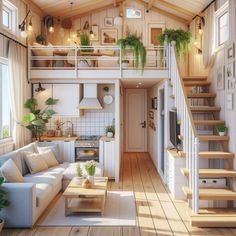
column 141, row 90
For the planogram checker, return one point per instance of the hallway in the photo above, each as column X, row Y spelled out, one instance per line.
column 157, row 213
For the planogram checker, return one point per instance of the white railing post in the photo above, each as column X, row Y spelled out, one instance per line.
column 196, row 176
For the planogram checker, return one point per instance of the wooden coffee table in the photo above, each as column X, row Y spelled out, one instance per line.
column 79, row 199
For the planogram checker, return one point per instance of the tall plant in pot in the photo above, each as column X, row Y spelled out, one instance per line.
column 37, row 119
column 133, row 42
column 182, row 38
column 3, row 201
column 79, row 179
column 90, row 167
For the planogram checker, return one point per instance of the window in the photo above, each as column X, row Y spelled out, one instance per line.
column 133, row 13
column 222, row 25
column 9, row 16
column 5, row 111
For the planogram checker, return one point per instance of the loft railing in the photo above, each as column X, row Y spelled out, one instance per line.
column 188, row 130
column 93, row 58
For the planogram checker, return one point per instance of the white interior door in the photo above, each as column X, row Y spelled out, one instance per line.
column 135, row 120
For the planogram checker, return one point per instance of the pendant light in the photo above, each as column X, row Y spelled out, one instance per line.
column 40, row 88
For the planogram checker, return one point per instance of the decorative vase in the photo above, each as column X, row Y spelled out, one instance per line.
column 222, row 133
column 91, row 179
column 124, row 65
column 109, row 134
column 79, row 180
column 2, row 221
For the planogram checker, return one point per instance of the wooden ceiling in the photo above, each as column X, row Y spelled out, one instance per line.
column 183, row 10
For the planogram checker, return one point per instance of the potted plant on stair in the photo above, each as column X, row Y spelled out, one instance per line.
column 182, row 38
column 134, row 43
column 3, row 201
column 222, row 130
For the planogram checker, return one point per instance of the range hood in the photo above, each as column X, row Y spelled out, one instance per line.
column 90, row 100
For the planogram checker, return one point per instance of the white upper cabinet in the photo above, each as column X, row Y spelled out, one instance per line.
column 69, row 96
column 42, row 96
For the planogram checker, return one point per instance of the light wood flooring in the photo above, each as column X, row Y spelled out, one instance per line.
column 157, row 213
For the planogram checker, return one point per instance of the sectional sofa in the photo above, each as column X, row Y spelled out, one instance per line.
column 28, row 199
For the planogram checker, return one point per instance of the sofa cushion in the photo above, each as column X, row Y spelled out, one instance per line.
column 49, row 158
column 42, row 193
column 35, row 162
column 10, row 172
column 70, row 172
column 50, row 146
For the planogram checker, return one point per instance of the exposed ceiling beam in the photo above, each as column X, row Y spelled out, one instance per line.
column 163, row 12
column 150, row 4
column 35, row 8
column 176, row 8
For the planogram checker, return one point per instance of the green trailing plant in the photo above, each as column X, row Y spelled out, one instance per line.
column 133, row 42
column 85, row 41
column 3, row 196
column 90, row 167
column 40, row 39
column 106, row 89
column 221, row 128
column 111, row 129
column 182, row 38
column 37, row 119
column 79, row 171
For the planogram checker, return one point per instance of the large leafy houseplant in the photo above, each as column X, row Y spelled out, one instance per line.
column 85, row 41
column 182, row 38
column 133, row 42
column 37, row 119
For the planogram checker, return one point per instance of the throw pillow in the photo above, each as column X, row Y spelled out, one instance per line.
column 49, row 158
column 10, row 172
column 35, row 162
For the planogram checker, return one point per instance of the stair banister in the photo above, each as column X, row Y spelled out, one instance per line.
column 188, row 130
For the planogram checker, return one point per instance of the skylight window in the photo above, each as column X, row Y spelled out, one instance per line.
column 132, row 13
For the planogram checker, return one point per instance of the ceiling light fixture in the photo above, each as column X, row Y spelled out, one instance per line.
column 40, row 88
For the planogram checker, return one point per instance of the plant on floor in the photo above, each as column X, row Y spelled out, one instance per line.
column 90, row 167
column 3, row 201
column 132, row 41
column 110, row 131
column 222, row 129
column 37, row 119
column 85, row 41
column 182, row 38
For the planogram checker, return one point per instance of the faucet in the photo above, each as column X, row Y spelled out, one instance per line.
column 72, row 128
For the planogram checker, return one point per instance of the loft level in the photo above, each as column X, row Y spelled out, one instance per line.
column 75, row 62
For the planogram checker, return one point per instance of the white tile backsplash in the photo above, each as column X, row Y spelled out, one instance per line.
column 92, row 123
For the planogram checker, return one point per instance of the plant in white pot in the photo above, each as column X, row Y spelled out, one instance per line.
column 90, row 167
column 222, row 130
column 79, row 179
column 110, row 131
column 3, row 201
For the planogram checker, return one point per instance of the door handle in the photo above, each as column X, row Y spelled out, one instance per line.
column 143, row 124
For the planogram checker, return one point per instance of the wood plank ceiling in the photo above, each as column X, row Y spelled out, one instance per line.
column 185, row 9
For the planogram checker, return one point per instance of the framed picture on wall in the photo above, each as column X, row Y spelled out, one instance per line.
column 109, row 36
column 221, row 78
column 230, row 70
column 95, row 30
column 229, row 104
column 231, row 84
column 231, row 51
column 154, row 103
column 108, row 22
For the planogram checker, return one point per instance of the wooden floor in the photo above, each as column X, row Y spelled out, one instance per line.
column 157, row 213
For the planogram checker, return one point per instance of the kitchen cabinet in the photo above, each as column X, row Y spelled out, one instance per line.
column 69, row 96
column 107, row 157
column 42, row 96
column 66, row 152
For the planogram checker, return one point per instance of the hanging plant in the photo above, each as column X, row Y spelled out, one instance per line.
column 182, row 38
column 133, row 42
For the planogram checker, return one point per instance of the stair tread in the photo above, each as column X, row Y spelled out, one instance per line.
column 196, row 83
column 212, row 172
column 213, row 138
column 214, row 217
column 212, row 193
column 201, row 95
column 208, row 122
column 201, row 78
column 214, row 155
column 204, row 108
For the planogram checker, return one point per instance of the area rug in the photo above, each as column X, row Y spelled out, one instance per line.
column 120, row 210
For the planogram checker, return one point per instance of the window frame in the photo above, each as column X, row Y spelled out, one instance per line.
column 10, row 138
column 220, row 13
column 12, row 10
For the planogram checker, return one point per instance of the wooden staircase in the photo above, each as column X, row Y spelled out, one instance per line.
column 209, row 118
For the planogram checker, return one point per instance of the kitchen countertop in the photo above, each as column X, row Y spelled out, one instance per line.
column 105, row 138
column 62, row 138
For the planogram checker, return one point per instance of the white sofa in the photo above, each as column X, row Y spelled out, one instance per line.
column 30, row 198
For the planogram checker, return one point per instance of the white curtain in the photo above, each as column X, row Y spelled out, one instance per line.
column 18, row 85
column 208, row 46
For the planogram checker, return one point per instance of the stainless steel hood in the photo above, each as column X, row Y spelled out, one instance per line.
column 90, row 100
